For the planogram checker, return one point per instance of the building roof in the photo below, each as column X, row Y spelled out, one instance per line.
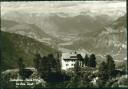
column 71, row 55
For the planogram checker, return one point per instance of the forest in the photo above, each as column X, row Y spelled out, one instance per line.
column 86, row 75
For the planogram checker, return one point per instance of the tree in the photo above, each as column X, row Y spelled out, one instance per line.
column 106, row 70
column 103, row 71
column 44, row 67
column 52, row 63
column 86, row 60
column 21, row 68
column 110, row 65
column 58, row 62
column 50, row 69
column 77, row 68
column 80, row 59
column 92, row 60
column 36, row 62
column 103, row 75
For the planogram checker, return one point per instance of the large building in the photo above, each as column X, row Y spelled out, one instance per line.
column 68, row 59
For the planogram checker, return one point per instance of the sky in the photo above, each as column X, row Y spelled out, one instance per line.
column 72, row 8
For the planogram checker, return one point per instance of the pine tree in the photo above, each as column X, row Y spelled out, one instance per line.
column 77, row 68
column 102, row 74
column 21, row 68
column 44, row 67
column 36, row 62
column 80, row 59
column 92, row 60
column 103, row 71
column 52, row 63
column 110, row 65
column 86, row 60
column 49, row 68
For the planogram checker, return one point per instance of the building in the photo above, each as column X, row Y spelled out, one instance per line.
column 68, row 59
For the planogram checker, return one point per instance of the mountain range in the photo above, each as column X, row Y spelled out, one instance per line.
column 101, row 35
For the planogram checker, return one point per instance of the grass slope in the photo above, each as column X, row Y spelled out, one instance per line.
column 14, row 46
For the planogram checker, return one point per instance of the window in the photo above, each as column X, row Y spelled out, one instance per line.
column 72, row 64
column 66, row 64
column 73, row 57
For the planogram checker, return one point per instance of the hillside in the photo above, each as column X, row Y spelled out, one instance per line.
column 14, row 46
column 100, row 34
column 27, row 29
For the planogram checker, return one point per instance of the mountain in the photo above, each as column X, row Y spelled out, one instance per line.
column 27, row 29
column 78, row 31
column 103, row 40
column 60, row 24
column 14, row 46
column 30, row 30
column 114, row 39
column 120, row 22
column 100, row 34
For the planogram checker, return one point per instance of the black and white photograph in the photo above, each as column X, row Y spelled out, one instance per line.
column 63, row 44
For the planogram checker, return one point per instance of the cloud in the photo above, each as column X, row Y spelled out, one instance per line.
column 69, row 7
